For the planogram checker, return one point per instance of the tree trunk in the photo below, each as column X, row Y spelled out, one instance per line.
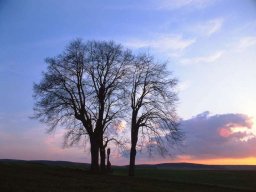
column 132, row 160
column 134, row 139
column 94, row 156
column 102, row 160
column 100, row 127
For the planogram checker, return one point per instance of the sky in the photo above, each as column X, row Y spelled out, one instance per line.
column 210, row 46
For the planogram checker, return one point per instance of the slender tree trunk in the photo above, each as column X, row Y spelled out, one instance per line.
column 132, row 160
column 134, row 139
column 94, row 156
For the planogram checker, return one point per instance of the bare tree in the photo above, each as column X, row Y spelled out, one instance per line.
column 153, row 99
column 83, row 90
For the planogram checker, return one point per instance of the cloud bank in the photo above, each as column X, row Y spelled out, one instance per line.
column 213, row 137
column 219, row 136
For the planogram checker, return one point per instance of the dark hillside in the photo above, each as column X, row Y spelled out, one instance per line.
column 42, row 176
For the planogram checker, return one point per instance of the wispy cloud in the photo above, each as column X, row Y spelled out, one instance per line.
column 176, row 4
column 162, row 5
column 183, row 85
column 202, row 59
column 246, row 42
column 168, row 44
column 209, row 27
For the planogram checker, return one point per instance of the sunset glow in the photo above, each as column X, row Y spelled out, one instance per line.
column 227, row 161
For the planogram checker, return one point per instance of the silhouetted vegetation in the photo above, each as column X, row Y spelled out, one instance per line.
column 83, row 90
column 89, row 88
column 153, row 115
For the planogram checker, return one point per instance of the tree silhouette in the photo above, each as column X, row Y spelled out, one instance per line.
column 92, row 86
column 83, row 90
column 153, row 99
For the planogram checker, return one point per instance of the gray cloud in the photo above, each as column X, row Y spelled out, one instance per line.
column 219, row 136
column 212, row 137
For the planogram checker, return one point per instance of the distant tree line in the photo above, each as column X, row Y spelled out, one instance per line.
column 93, row 86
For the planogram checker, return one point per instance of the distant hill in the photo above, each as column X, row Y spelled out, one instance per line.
column 50, row 163
column 170, row 166
column 193, row 166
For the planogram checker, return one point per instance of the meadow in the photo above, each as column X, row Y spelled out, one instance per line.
column 31, row 176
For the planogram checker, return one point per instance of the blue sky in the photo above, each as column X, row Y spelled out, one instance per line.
column 210, row 46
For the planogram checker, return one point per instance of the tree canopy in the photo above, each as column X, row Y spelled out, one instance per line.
column 95, row 84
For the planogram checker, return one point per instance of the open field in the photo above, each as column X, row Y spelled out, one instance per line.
column 230, row 179
column 30, row 176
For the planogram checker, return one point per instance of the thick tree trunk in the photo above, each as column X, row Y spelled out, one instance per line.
column 102, row 160
column 94, row 156
column 99, row 127
column 102, row 152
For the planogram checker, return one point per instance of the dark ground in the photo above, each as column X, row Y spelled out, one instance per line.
column 36, row 176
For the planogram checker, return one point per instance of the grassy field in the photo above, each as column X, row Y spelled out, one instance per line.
column 27, row 176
